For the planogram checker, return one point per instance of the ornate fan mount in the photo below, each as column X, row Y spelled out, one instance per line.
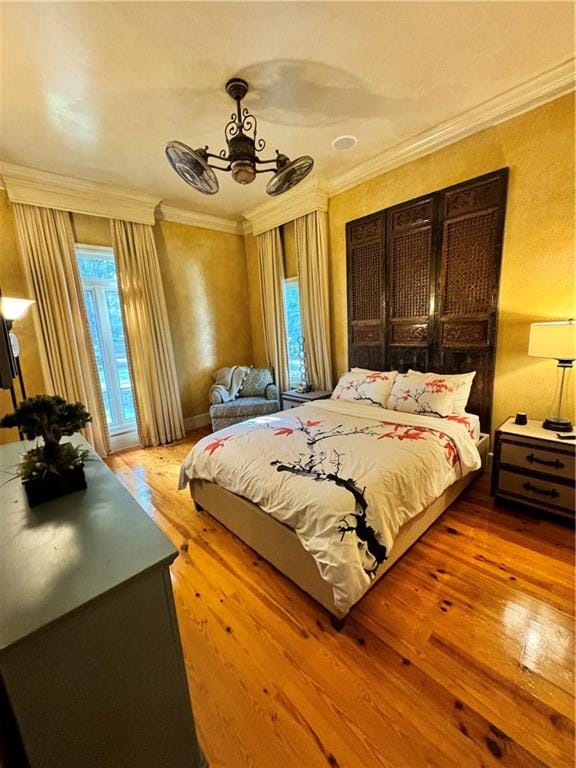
column 241, row 133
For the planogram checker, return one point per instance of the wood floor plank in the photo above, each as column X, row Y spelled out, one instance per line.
column 461, row 656
column 459, row 601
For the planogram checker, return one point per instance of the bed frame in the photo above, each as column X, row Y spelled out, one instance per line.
column 280, row 546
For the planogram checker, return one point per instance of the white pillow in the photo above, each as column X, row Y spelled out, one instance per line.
column 428, row 394
column 371, row 387
column 460, row 382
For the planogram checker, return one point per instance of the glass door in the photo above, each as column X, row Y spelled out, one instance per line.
column 99, row 282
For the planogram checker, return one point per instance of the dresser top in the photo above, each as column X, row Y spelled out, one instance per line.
column 534, row 429
column 58, row 556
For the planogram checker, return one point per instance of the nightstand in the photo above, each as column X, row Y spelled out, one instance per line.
column 534, row 467
column 291, row 398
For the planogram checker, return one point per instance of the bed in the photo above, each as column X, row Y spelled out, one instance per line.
column 422, row 293
column 333, row 493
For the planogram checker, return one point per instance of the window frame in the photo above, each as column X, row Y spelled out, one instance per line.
column 123, row 433
column 291, row 281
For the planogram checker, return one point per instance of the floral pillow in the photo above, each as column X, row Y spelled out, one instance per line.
column 369, row 387
column 460, row 382
column 426, row 393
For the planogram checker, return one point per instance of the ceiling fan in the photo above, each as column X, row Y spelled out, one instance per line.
column 194, row 166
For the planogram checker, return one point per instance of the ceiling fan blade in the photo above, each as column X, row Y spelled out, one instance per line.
column 290, row 175
column 192, row 167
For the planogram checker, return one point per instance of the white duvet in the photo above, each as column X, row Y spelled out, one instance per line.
column 344, row 476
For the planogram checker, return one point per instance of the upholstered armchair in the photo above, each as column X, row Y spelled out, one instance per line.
column 241, row 393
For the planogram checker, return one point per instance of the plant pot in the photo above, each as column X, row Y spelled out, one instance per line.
column 50, row 486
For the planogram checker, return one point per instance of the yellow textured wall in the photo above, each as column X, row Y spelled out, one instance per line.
column 538, row 265
column 258, row 342
column 289, row 243
column 206, row 286
column 91, row 230
column 13, row 283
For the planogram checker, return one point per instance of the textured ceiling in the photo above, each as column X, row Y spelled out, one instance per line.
column 94, row 90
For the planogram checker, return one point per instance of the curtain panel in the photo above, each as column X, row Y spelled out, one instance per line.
column 46, row 243
column 312, row 254
column 148, row 341
column 271, row 266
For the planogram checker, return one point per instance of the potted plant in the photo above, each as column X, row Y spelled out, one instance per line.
column 52, row 468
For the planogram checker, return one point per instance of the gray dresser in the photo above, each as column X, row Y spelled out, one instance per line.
column 91, row 667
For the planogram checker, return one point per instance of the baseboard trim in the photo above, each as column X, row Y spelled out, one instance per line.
column 124, row 441
column 193, row 422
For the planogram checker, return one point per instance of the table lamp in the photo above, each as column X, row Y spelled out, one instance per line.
column 557, row 341
column 13, row 309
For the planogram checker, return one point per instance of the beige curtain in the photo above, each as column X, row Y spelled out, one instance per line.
column 156, row 396
column 47, row 245
column 312, row 253
column 271, row 263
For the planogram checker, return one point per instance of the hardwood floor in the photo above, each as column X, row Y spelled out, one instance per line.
column 462, row 655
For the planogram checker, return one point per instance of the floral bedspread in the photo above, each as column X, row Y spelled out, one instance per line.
column 343, row 475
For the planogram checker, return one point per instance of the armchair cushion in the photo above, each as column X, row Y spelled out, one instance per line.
column 241, row 409
column 256, row 381
column 271, row 392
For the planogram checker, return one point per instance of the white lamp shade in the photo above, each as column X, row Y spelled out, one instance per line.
column 554, row 340
column 13, row 309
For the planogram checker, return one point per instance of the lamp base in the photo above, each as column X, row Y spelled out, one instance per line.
column 558, row 425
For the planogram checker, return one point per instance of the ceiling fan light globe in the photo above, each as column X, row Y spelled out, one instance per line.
column 243, row 171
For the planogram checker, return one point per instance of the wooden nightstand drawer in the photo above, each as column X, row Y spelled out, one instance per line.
column 536, row 491
column 290, row 403
column 537, row 458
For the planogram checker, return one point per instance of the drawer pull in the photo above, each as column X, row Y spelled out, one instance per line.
column 557, row 464
column 553, row 493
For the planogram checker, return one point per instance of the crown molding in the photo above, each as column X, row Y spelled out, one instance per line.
column 291, row 206
column 529, row 95
column 49, row 190
column 34, row 187
column 203, row 220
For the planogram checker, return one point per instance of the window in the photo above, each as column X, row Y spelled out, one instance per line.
column 102, row 300
column 293, row 331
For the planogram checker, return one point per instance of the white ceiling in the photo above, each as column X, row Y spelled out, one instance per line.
column 94, row 90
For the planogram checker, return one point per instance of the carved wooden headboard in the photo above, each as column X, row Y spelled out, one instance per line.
column 423, row 285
